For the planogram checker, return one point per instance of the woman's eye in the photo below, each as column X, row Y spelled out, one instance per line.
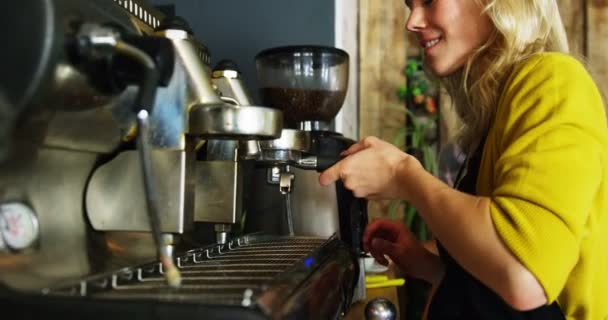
column 427, row 2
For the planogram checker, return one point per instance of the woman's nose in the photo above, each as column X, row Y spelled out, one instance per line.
column 417, row 20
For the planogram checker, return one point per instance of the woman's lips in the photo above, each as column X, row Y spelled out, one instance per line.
column 429, row 43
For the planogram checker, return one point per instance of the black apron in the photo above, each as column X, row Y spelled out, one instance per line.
column 460, row 295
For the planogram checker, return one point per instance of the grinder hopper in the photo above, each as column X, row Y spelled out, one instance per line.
column 308, row 83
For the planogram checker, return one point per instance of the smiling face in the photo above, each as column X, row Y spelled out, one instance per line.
column 449, row 31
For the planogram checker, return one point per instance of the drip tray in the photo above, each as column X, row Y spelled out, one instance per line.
column 229, row 274
column 253, row 277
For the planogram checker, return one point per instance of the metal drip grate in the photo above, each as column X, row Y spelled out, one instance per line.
column 230, row 274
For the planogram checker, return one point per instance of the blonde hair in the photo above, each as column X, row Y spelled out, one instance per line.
column 521, row 28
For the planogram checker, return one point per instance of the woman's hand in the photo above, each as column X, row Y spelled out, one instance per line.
column 395, row 240
column 370, row 169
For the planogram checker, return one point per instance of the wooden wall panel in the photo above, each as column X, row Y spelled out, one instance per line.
column 573, row 16
column 382, row 60
column 597, row 41
column 382, row 43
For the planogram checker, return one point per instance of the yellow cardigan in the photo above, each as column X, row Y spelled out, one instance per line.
column 544, row 166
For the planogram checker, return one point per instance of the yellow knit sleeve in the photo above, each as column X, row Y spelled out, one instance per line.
column 551, row 125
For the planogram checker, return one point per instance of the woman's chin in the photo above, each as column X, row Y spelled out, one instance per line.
column 440, row 69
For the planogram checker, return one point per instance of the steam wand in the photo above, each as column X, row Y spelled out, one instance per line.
column 96, row 43
column 285, row 185
column 145, row 97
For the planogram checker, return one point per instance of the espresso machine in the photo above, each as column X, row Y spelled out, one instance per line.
column 279, row 192
column 308, row 84
column 123, row 162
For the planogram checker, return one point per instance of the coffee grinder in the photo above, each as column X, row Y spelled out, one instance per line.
column 309, row 84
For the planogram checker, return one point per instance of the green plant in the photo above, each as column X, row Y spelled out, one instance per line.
column 413, row 138
column 418, row 135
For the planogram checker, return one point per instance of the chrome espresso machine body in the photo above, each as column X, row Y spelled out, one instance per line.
column 111, row 122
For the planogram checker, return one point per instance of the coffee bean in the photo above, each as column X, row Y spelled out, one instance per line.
column 304, row 104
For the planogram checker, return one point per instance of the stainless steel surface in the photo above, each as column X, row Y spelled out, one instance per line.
column 380, row 309
column 218, row 195
column 229, row 84
column 68, row 126
column 314, row 208
column 52, row 182
column 230, row 121
column 222, row 150
column 92, row 130
column 307, row 162
column 258, row 277
column 314, row 126
column 219, row 274
column 290, row 139
column 249, row 149
column 168, row 115
column 64, row 110
column 221, row 232
column 293, row 148
column 130, row 248
column 115, row 197
column 288, row 213
column 152, row 197
column 200, row 89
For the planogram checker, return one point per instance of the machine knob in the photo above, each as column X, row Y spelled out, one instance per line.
column 174, row 23
column 380, row 309
column 226, row 64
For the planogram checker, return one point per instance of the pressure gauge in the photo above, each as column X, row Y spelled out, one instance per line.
column 18, row 225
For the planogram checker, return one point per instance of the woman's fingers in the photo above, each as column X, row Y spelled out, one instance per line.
column 380, row 248
column 379, row 257
column 331, row 175
column 363, row 144
column 385, row 229
column 335, row 172
column 353, row 149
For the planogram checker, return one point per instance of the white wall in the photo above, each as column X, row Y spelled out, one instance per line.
column 347, row 38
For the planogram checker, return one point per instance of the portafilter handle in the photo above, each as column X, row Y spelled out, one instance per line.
column 318, row 163
column 326, row 162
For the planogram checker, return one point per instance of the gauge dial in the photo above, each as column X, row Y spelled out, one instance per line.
column 19, row 225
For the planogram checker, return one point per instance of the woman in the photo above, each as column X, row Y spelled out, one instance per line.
column 525, row 233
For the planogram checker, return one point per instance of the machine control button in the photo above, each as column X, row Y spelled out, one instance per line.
column 19, row 225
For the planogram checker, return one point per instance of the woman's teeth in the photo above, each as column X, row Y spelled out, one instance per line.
column 431, row 43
